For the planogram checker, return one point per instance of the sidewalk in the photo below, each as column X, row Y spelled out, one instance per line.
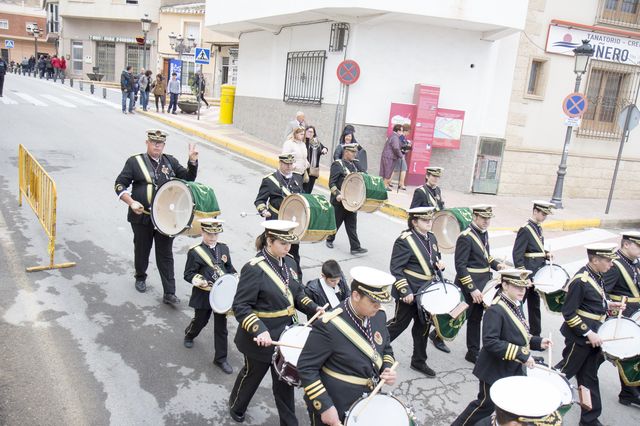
column 511, row 211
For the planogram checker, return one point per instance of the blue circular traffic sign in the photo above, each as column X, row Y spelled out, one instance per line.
column 575, row 104
column 348, row 72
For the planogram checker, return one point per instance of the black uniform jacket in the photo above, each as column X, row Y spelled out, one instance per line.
column 412, row 262
column 329, row 351
column 339, row 170
column 506, row 343
column 263, row 302
column 623, row 279
column 145, row 176
column 316, row 293
column 585, row 306
column 208, row 264
column 273, row 189
column 473, row 260
column 425, row 196
column 528, row 248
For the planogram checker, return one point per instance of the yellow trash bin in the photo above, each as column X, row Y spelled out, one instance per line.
column 227, row 98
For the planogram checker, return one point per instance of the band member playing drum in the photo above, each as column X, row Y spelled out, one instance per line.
column 623, row 279
column 473, row 263
column 349, row 350
column 273, row 189
column 339, row 170
column 529, row 253
column 584, row 310
column 145, row 173
column 330, row 288
column 266, row 301
column 506, row 344
column 207, row 262
column 415, row 262
column 429, row 194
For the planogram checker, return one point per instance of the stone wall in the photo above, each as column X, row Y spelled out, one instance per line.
column 459, row 164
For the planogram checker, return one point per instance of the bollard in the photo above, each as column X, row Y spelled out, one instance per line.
column 71, row 82
column 81, row 86
column 104, row 93
column 91, row 88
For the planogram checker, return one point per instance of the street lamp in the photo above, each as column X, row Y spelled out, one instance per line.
column 36, row 32
column 179, row 46
column 146, row 26
column 582, row 55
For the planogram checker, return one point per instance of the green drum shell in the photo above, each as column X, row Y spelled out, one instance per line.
column 376, row 193
column 447, row 225
column 629, row 370
column 314, row 214
column 554, row 301
column 206, row 206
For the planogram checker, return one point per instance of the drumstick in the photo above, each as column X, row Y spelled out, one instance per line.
column 611, row 339
column 615, row 330
column 544, row 367
column 550, row 349
column 374, row 392
column 313, row 318
column 277, row 343
column 245, row 214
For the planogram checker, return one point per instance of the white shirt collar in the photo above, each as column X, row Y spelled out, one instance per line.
column 330, row 292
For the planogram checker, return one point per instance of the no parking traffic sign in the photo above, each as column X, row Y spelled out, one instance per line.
column 348, row 72
column 574, row 104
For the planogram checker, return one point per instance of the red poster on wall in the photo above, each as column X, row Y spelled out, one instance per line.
column 426, row 100
column 448, row 128
column 401, row 114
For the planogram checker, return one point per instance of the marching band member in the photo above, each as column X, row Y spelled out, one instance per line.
column 266, row 301
column 584, row 310
column 506, row 344
column 623, row 279
column 207, row 262
column 473, row 263
column 429, row 194
column 529, row 253
column 330, row 288
column 415, row 261
column 349, row 350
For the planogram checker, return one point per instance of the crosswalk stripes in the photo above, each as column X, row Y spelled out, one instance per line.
column 30, row 99
column 44, row 100
column 7, row 101
column 57, row 100
column 80, row 101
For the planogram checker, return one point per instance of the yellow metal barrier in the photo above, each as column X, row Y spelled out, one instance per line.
column 40, row 191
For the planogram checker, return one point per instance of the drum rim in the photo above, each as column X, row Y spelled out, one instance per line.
column 177, row 182
column 537, row 372
column 438, row 215
column 306, row 206
column 217, row 283
column 605, row 344
column 552, row 265
column 385, row 394
column 348, row 178
column 445, row 283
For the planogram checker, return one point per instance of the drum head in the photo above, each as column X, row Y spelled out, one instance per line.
column 295, row 208
column 636, row 317
column 222, row 293
column 381, row 410
column 296, row 335
column 541, row 400
column 353, row 191
column 490, row 291
column 172, row 208
column 550, row 278
column 620, row 349
column 556, row 380
column 440, row 298
column 446, row 229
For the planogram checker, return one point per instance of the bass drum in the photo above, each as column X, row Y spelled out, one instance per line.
column 361, row 191
column 447, row 225
column 314, row 214
column 383, row 409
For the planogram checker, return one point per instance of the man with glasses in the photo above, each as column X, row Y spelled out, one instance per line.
column 145, row 173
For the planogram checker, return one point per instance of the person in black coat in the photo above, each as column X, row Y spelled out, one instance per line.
column 330, row 288
column 506, row 344
column 207, row 262
column 269, row 292
column 315, row 150
column 584, row 310
column 529, row 253
column 3, row 71
column 429, row 194
column 144, row 173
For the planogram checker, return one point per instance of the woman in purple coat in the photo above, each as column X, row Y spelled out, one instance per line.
column 390, row 155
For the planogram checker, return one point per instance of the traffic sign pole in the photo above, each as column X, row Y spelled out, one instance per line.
column 625, row 136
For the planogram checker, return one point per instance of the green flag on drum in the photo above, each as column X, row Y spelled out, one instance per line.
column 314, row 214
column 205, row 200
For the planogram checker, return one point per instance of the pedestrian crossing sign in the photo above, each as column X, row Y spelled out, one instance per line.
column 9, row 44
column 203, row 55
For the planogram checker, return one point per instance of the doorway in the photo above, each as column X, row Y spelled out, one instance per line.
column 488, row 162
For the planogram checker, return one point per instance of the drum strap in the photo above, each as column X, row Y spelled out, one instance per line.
column 515, row 320
column 277, row 280
column 479, row 243
column 284, row 189
column 418, row 254
column 147, row 177
column 358, row 340
column 535, row 236
column 587, row 278
column 432, row 200
column 632, row 286
column 203, row 255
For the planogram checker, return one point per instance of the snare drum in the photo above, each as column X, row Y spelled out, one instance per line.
column 541, row 399
column 383, row 409
column 285, row 359
column 559, row 382
column 440, row 297
column 550, row 281
column 222, row 293
column 620, row 349
column 490, row 292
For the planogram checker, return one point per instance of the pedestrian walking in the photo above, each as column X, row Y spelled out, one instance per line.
column 174, row 91
column 391, row 154
column 315, row 150
column 32, row 64
column 48, row 67
column 3, row 71
column 145, row 86
column 55, row 63
column 63, row 69
column 126, row 86
column 25, row 65
column 200, row 85
column 159, row 88
column 42, row 66
column 405, row 146
column 295, row 145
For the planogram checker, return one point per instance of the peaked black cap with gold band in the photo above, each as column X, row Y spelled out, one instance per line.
column 350, row 147
column 483, row 210
column 421, row 212
column 606, row 250
column 517, row 277
column 211, row 225
column 373, row 283
column 434, row 171
column 633, row 236
column 282, row 230
column 553, row 419
column 156, row 135
column 287, row 158
column 544, row 206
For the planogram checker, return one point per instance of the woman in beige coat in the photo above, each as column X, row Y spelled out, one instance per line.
column 160, row 91
column 296, row 146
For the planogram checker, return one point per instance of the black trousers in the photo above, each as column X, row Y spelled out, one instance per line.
column 350, row 220
column 1, row 83
column 308, row 187
column 220, row 333
column 406, row 313
column 533, row 310
column 474, row 321
column 476, row 410
column 295, row 252
column 247, row 384
column 144, row 236
column 583, row 362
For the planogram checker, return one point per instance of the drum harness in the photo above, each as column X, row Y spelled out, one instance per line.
column 217, row 271
column 284, row 276
column 154, row 178
column 366, row 330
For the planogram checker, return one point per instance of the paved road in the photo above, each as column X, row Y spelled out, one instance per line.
column 81, row 346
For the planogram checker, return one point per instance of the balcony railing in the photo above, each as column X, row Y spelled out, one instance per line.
column 622, row 13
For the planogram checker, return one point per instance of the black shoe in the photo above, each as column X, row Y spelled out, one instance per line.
column 595, row 423
column 170, row 299
column 224, row 366
column 438, row 343
column 188, row 343
column 141, row 286
column 423, row 368
column 237, row 417
column 471, row 357
column 628, row 401
column 359, row 251
column 329, row 244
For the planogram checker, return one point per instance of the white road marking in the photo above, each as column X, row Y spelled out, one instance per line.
column 80, row 100
column 30, row 99
column 57, row 100
column 7, row 101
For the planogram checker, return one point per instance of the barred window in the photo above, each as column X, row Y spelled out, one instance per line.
column 624, row 13
column 304, row 77
column 610, row 88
